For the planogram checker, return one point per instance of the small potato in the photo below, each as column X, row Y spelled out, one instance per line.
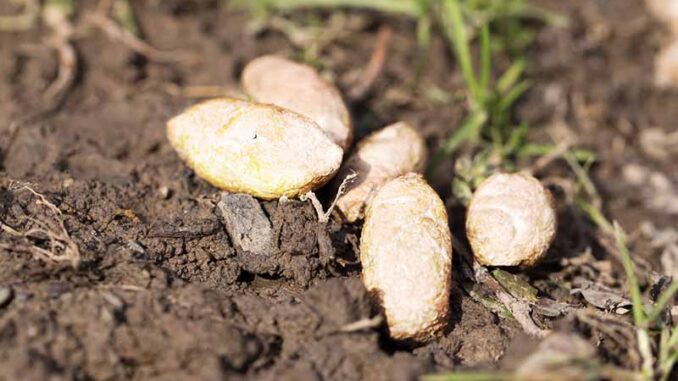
column 384, row 155
column 298, row 87
column 253, row 148
column 406, row 254
column 510, row 221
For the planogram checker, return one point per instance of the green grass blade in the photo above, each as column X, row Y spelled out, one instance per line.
column 516, row 141
column 584, row 180
column 632, row 281
column 424, row 32
column 533, row 149
column 412, row 8
column 484, row 80
column 510, row 76
column 620, row 240
column 595, row 215
column 469, row 130
column 673, row 341
column 542, row 15
column 512, row 96
column 453, row 26
column 662, row 301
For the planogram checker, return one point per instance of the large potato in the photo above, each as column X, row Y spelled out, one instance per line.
column 262, row 150
column 510, row 221
column 298, row 87
column 406, row 254
column 382, row 156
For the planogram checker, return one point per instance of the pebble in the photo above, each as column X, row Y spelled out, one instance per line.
column 6, row 295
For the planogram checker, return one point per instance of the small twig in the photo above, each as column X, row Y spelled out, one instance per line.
column 374, row 67
column 547, row 159
column 341, row 190
column 56, row 15
column 117, row 33
column 124, row 287
column 362, row 324
column 324, row 216
column 68, row 63
column 58, row 235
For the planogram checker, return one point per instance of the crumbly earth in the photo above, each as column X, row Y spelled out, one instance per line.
column 162, row 293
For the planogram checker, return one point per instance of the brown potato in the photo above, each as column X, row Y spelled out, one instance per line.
column 510, row 221
column 253, row 148
column 406, row 254
column 299, row 88
column 382, row 156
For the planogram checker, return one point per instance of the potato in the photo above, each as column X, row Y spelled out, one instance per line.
column 510, row 221
column 259, row 149
column 406, row 254
column 298, row 87
column 382, row 156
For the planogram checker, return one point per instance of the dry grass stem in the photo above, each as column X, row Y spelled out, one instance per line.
column 62, row 248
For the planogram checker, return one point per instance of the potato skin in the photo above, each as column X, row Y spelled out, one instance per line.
column 259, row 149
column 406, row 254
column 299, row 88
column 393, row 151
column 510, row 220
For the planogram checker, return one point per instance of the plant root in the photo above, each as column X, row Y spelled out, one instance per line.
column 375, row 65
column 324, row 216
column 62, row 248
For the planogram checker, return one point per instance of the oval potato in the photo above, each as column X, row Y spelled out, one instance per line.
column 382, row 156
column 298, row 87
column 510, row 220
column 262, row 150
column 406, row 254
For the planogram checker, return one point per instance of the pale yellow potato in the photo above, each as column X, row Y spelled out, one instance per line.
column 298, row 87
column 406, row 255
column 382, row 156
column 253, row 148
column 510, row 221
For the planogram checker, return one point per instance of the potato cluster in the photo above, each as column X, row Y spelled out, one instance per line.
column 291, row 137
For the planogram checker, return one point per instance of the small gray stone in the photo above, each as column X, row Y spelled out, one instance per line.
column 247, row 224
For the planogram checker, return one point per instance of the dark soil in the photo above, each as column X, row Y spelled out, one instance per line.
column 161, row 292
